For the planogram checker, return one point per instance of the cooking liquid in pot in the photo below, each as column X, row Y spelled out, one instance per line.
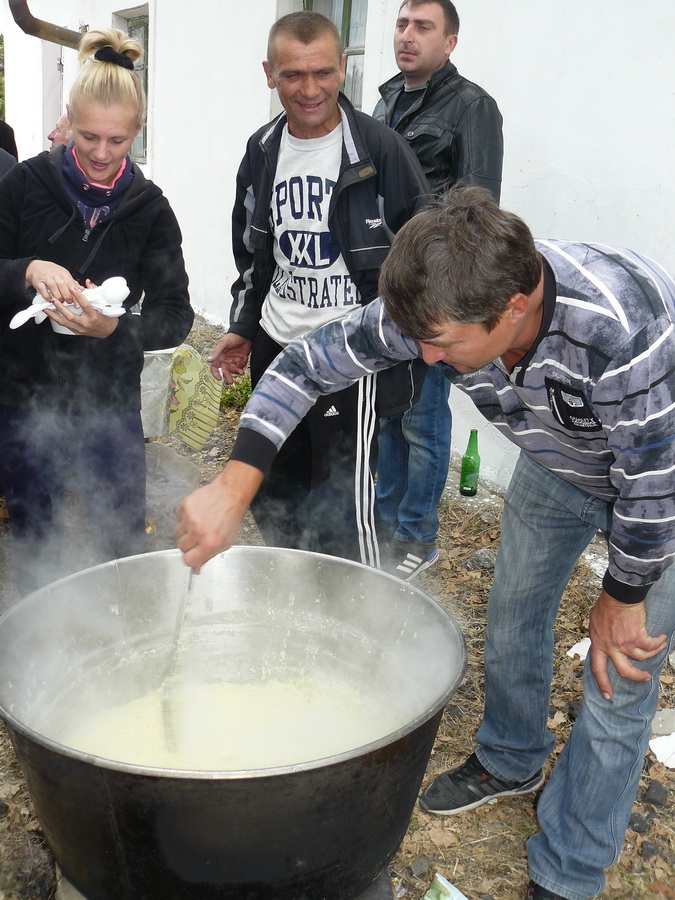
column 236, row 726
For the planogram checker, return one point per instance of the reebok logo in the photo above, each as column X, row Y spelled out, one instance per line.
column 373, row 223
column 331, row 412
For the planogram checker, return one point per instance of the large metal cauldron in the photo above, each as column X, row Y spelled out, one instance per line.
column 322, row 830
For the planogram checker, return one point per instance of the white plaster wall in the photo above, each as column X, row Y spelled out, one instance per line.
column 588, row 100
column 23, row 87
column 203, row 112
column 587, row 91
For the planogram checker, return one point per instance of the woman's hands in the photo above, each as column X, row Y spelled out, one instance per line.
column 52, row 282
column 55, row 284
column 90, row 322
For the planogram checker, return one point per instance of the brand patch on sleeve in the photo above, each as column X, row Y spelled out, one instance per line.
column 570, row 407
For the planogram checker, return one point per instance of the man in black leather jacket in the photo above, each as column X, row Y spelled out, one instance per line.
column 455, row 129
column 452, row 124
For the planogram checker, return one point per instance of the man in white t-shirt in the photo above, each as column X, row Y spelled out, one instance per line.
column 321, row 191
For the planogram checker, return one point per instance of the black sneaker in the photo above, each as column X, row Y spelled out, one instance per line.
column 537, row 892
column 409, row 558
column 470, row 786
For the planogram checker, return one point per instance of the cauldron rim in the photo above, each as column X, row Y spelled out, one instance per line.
column 240, row 774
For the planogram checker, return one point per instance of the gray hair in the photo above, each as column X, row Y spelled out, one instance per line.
column 305, row 27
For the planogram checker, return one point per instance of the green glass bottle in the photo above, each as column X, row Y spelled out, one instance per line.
column 468, row 479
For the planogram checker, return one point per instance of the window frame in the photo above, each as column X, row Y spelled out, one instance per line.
column 136, row 23
column 341, row 14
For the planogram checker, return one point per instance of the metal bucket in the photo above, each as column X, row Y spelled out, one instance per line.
column 318, row 830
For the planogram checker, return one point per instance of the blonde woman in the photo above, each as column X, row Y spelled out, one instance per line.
column 70, row 402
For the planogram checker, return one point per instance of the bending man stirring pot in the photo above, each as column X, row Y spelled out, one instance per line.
column 567, row 348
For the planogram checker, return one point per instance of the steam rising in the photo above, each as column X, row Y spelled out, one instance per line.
column 322, row 520
column 54, row 458
column 257, row 616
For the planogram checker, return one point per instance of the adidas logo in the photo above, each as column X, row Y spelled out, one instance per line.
column 331, row 412
column 410, row 563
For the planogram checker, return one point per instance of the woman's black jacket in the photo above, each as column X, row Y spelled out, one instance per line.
column 140, row 241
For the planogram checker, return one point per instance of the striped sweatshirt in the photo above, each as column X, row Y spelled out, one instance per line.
column 593, row 401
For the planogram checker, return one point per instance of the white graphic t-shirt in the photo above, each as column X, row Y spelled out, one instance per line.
column 311, row 284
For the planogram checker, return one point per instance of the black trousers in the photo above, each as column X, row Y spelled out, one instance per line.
column 319, row 494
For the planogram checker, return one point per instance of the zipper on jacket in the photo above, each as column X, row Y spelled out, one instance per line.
column 104, row 228
column 85, row 236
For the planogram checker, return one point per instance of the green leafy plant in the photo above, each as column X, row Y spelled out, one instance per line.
column 235, row 396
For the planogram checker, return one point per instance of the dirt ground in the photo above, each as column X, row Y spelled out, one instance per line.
column 483, row 852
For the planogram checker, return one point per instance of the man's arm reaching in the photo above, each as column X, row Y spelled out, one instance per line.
column 208, row 519
column 323, row 362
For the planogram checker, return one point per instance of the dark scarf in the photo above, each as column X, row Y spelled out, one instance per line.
column 95, row 202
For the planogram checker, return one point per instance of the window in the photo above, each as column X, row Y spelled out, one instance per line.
column 350, row 18
column 135, row 23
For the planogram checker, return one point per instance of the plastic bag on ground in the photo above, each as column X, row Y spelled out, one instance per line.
column 441, row 889
column 195, row 398
column 156, row 392
column 169, row 478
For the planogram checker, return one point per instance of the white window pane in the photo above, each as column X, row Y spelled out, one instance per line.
column 337, row 7
column 353, row 86
column 357, row 23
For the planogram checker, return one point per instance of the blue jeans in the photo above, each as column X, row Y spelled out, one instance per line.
column 414, row 452
column 584, row 809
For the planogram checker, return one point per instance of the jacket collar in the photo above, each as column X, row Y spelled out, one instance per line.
column 48, row 167
column 356, row 162
column 550, row 297
column 353, row 143
column 395, row 84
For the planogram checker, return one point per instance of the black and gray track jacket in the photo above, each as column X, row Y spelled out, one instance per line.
column 380, row 187
column 140, row 241
column 454, row 129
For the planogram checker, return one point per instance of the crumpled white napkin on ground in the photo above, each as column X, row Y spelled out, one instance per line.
column 663, row 749
column 580, row 649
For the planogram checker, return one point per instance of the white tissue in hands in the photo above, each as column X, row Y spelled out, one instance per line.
column 113, row 292
column 107, row 298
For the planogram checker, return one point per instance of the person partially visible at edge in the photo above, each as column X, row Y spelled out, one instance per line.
column 568, row 349
column 7, row 139
column 70, row 403
column 320, row 192
column 455, row 129
column 61, row 133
